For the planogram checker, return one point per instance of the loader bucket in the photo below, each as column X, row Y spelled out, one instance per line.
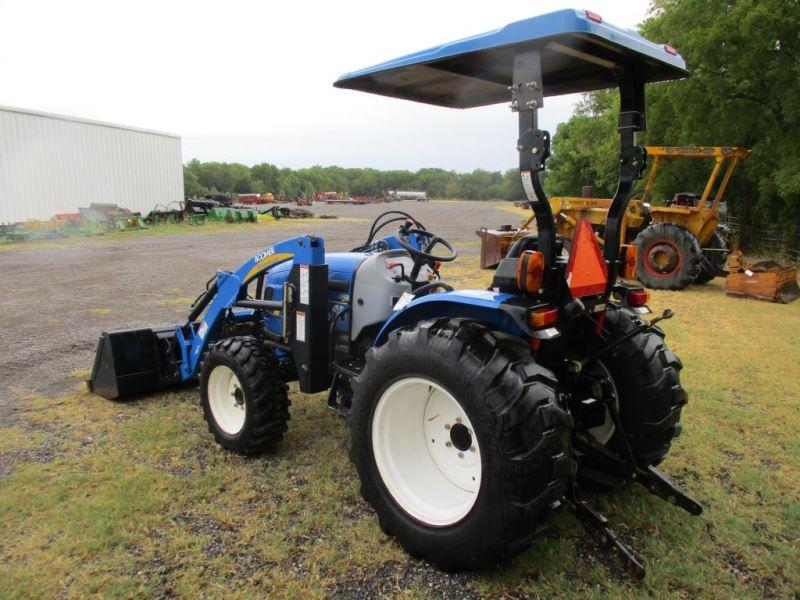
column 495, row 244
column 134, row 361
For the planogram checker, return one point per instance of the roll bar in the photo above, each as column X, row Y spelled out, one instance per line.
column 533, row 145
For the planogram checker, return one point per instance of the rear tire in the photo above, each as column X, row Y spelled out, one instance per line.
column 646, row 380
column 669, row 257
column 243, row 396
column 508, row 413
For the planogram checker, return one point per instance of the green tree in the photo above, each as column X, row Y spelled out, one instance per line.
column 744, row 90
column 434, row 181
column 744, row 56
column 366, row 183
column 585, row 149
column 236, row 178
column 478, row 185
column 267, row 174
column 511, row 186
column 191, row 186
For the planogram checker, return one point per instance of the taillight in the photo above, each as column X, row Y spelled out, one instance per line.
column 670, row 50
column 593, row 16
column 629, row 260
column 637, row 298
column 542, row 317
column 530, row 271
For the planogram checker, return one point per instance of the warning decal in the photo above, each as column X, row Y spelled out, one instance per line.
column 527, row 184
column 304, row 285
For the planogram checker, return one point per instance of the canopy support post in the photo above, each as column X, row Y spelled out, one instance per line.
column 632, row 163
column 533, row 146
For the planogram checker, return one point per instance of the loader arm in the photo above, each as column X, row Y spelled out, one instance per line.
column 229, row 288
column 137, row 361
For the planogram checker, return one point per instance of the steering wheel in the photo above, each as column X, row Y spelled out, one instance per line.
column 433, row 240
column 428, row 240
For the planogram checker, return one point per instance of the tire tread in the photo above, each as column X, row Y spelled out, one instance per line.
column 267, row 400
column 530, row 429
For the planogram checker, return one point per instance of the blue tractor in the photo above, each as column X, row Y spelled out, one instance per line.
column 474, row 414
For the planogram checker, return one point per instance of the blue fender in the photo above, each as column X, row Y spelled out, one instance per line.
column 493, row 308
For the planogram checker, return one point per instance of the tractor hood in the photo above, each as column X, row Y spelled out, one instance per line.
column 580, row 53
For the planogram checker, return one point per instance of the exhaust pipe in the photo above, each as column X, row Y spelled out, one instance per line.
column 135, row 361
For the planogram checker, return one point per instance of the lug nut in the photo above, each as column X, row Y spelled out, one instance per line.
column 448, row 444
column 460, row 455
column 447, row 425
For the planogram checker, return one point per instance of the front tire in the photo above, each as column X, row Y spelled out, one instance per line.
column 458, row 440
column 243, row 396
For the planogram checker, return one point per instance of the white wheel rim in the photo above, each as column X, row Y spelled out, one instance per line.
column 226, row 399
column 426, row 451
column 603, row 433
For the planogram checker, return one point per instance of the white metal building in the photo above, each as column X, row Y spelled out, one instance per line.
column 54, row 164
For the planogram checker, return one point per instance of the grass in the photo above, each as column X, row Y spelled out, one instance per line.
column 135, row 499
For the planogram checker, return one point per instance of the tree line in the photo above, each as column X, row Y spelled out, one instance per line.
column 202, row 178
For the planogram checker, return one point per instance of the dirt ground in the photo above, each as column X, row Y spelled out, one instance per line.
column 58, row 297
column 134, row 499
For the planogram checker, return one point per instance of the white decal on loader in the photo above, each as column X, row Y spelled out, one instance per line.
column 304, row 285
column 264, row 254
column 300, row 327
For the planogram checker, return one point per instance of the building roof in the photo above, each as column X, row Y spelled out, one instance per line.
column 37, row 113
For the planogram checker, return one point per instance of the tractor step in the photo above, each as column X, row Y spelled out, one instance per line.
column 333, row 397
column 340, row 372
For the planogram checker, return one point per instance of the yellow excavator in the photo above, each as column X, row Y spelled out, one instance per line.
column 678, row 243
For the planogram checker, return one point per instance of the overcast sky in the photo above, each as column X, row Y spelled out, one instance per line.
column 250, row 81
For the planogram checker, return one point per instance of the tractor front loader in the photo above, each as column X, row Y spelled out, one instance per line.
column 474, row 414
column 680, row 242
